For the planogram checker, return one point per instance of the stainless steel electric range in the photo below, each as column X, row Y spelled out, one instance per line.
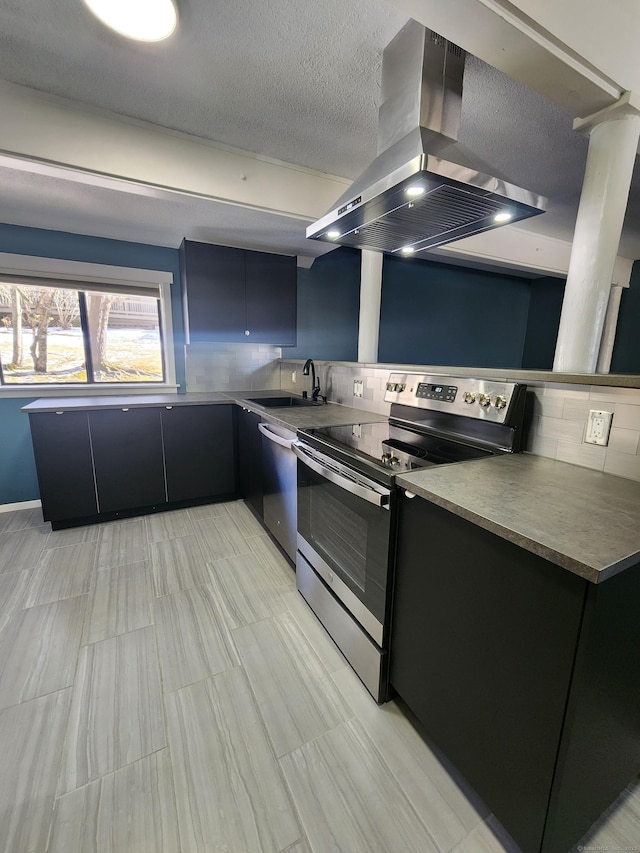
column 347, row 498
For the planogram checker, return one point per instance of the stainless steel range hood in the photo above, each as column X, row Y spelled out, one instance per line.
column 413, row 197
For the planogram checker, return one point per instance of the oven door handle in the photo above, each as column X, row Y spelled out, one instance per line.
column 361, row 490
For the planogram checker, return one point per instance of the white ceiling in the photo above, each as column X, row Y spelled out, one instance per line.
column 296, row 81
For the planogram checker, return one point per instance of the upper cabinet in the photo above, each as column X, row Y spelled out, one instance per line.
column 237, row 295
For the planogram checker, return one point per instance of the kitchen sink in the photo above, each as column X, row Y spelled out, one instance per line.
column 281, row 402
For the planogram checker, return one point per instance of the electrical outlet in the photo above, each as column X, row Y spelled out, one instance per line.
column 598, row 427
column 356, row 431
column 358, row 388
column 294, row 376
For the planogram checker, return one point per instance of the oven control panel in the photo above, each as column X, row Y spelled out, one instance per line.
column 435, row 391
column 483, row 399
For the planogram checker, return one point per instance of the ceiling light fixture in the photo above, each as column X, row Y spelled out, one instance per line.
column 502, row 217
column 414, row 191
column 407, row 250
column 143, row 20
column 333, row 234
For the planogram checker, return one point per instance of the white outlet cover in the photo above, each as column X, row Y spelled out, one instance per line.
column 598, row 427
column 294, row 375
column 358, row 387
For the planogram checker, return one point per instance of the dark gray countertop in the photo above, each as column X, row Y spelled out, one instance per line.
column 583, row 520
column 331, row 414
column 294, row 418
column 113, row 401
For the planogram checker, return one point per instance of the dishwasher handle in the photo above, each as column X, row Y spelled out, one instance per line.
column 273, row 436
column 374, row 495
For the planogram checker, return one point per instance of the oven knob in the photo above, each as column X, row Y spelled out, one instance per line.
column 484, row 400
column 394, row 460
column 469, row 397
column 500, row 402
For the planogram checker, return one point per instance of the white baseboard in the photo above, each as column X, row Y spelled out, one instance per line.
column 21, row 505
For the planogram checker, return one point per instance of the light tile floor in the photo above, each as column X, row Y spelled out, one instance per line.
column 164, row 689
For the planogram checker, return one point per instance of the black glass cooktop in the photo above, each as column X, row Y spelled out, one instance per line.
column 388, row 448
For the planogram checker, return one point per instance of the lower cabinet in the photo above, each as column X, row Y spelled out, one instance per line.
column 62, row 451
column 128, row 458
column 199, row 451
column 250, row 459
column 525, row 675
column 107, row 461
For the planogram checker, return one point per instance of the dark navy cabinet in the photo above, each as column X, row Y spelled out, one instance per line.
column 64, row 464
column 270, row 292
column 237, row 295
column 250, row 459
column 524, row 674
column 106, row 463
column 128, row 459
column 199, row 451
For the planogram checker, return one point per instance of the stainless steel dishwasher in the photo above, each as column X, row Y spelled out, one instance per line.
column 279, row 475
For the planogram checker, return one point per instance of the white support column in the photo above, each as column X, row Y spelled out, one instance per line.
column 613, row 144
column 370, row 296
column 609, row 330
column 621, row 279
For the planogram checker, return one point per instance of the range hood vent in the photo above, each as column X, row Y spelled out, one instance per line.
column 412, row 197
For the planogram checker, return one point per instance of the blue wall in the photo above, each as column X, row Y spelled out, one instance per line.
column 545, row 306
column 431, row 313
column 441, row 314
column 17, row 467
column 626, row 352
column 328, row 307
column 18, row 480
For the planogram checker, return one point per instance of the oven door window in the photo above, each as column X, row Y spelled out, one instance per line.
column 349, row 534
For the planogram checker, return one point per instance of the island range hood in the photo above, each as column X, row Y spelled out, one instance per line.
column 413, row 196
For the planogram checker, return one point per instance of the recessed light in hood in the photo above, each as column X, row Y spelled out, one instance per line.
column 413, row 197
column 142, row 20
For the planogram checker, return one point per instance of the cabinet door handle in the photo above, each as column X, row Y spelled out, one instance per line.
column 168, row 407
column 125, row 410
column 247, row 332
column 59, row 413
column 409, row 495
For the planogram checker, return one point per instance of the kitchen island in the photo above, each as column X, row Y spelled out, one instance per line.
column 516, row 638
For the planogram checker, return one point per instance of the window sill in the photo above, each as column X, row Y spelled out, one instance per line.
column 103, row 390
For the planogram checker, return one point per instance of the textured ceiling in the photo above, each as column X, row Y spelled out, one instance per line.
column 275, row 77
column 297, row 81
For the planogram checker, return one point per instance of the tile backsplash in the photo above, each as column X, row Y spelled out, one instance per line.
column 232, row 367
column 336, row 384
column 558, row 413
column 560, row 419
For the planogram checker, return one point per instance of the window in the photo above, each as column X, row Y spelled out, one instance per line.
column 58, row 331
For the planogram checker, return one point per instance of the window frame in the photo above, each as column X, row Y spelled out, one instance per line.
column 157, row 281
